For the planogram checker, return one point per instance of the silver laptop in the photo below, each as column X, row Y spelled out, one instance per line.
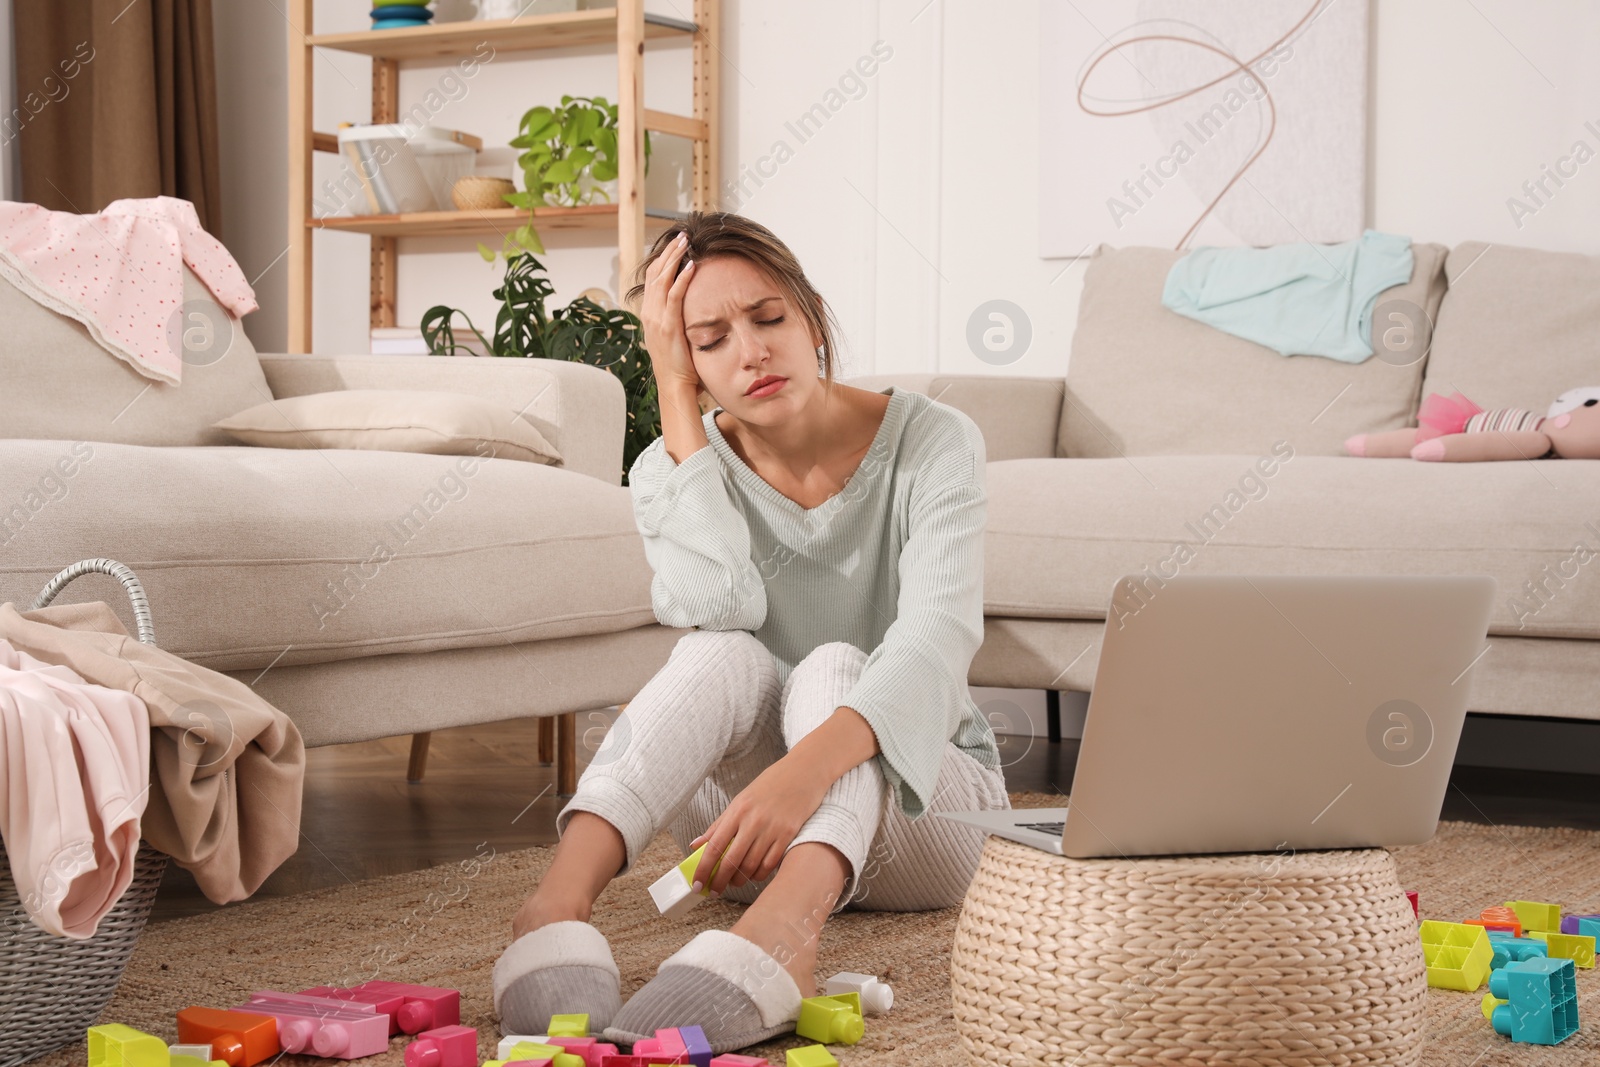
column 1262, row 713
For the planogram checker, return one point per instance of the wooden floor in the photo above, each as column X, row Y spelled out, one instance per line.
column 484, row 788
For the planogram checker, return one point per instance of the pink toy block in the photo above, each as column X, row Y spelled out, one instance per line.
column 426, row 1007
column 729, row 1059
column 665, row 1047
column 1415, row 913
column 331, row 1028
column 622, row 1060
column 387, row 1003
column 444, row 1046
column 546, row 1062
column 598, row 1052
column 578, row 1046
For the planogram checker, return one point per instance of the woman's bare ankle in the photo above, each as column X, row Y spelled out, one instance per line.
column 541, row 909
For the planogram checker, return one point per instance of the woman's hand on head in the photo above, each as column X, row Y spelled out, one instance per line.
column 661, row 314
column 756, row 828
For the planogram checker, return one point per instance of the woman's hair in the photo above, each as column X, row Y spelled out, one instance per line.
column 722, row 233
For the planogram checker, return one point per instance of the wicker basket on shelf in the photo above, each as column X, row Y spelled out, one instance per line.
column 53, row 988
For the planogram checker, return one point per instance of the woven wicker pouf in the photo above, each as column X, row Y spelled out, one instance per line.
column 1273, row 959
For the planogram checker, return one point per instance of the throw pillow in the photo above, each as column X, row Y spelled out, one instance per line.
column 391, row 420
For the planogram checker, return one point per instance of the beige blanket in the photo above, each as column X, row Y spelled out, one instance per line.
column 226, row 767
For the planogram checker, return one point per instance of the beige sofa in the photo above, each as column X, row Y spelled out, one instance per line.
column 528, row 593
column 520, row 590
column 1163, row 421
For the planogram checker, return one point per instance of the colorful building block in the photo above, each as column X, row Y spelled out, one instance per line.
column 426, row 1007
column 1457, row 954
column 331, row 1028
column 876, row 996
column 1415, row 913
column 387, row 1003
column 552, row 1050
column 666, row 1047
column 569, row 1026
column 1587, row 925
column 1539, row 1001
column 621, row 1059
column 238, row 1038
column 444, row 1046
column 729, row 1059
column 192, row 1056
column 115, row 1045
column 810, row 1056
column 832, row 1020
column 1575, row 947
column 1536, row 915
column 674, row 893
column 1511, row 949
column 696, row 1045
column 1498, row 918
column 511, row 1041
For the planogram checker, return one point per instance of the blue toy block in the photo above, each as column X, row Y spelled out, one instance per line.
column 1514, row 949
column 1583, row 925
column 1541, row 998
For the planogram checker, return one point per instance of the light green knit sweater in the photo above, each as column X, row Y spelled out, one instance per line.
column 893, row 564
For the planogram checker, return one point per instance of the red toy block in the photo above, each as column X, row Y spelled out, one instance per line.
column 1415, row 914
column 444, row 1046
column 426, row 1007
column 387, row 1003
column 237, row 1038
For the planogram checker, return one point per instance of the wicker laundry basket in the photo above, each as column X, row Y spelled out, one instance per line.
column 53, row 988
column 1307, row 959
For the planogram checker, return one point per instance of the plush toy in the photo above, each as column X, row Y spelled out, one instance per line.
column 1454, row 429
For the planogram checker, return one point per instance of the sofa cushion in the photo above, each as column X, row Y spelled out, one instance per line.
column 1518, row 326
column 1062, row 531
column 258, row 556
column 393, row 420
column 60, row 383
column 1144, row 380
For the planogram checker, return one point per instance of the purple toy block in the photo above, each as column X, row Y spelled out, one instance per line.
column 1582, row 925
column 696, row 1045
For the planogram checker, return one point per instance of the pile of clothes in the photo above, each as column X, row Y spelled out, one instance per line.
column 105, row 740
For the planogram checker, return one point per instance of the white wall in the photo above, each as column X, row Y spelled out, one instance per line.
column 917, row 201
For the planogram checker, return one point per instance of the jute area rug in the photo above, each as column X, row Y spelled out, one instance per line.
column 446, row 926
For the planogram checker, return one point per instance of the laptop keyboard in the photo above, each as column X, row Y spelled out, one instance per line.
column 1053, row 828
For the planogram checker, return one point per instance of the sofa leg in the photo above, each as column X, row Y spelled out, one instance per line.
column 419, row 757
column 567, row 754
column 1052, row 714
column 547, row 741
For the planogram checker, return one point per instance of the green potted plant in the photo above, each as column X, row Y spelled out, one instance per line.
column 568, row 153
column 583, row 332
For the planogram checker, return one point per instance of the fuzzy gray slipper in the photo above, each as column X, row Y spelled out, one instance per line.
column 728, row 986
column 564, row 968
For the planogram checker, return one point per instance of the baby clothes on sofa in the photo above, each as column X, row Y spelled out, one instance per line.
column 120, row 273
column 1296, row 299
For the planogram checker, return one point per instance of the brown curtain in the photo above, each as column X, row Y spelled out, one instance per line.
column 116, row 98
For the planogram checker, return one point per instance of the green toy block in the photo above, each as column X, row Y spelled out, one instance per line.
column 1539, row 1001
column 1458, row 956
column 1575, row 947
column 1512, row 949
column 569, row 1026
column 834, row 1020
column 1535, row 915
column 811, row 1056
column 115, row 1045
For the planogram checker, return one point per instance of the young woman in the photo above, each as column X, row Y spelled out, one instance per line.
column 825, row 543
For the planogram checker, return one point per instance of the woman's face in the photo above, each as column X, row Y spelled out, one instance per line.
column 742, row 328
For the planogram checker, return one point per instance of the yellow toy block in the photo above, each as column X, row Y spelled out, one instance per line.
column 1579, row 948
column 533, row 1050
column 569, row 1026
column 115, row 1045
column 1458, row 955
column 810, row 1056
column 834, row 1020
column 1536, row 915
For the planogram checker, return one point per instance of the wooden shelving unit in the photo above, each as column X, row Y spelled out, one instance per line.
column 626, row 26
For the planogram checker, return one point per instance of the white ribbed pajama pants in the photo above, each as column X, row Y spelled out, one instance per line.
column 713, row 718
